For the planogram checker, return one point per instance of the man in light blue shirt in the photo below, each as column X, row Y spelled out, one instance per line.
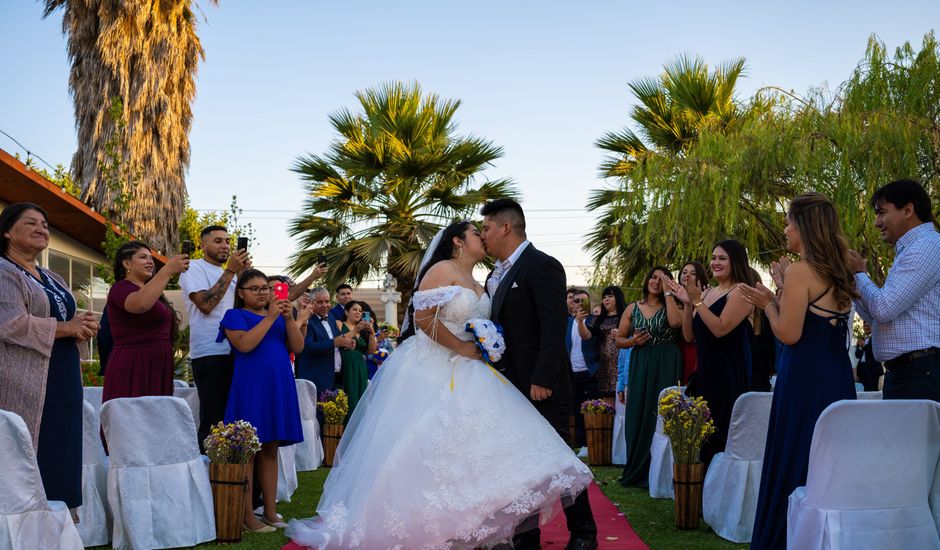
column 905, row 312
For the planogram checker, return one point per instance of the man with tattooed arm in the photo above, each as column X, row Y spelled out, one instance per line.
column 209, row 291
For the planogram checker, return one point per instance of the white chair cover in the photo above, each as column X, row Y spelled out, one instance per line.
column 729, row 496
column 158, row 486
column 310, row 450
column 27, row 520
column 618, row 447
column 868, row 395
column 660, row 478
column 177, row 383
column 93, row 395
column 191, row 396
column 286, row 472
column 94, row 516
column 871, row 467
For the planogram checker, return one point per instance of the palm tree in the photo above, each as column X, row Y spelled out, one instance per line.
column 672, row 111
column 395, row 174
column 142, row 55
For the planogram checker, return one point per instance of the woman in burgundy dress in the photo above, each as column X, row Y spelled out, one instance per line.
column 143, row 324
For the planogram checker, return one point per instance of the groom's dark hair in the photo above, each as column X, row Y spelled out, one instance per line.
column 509, row 211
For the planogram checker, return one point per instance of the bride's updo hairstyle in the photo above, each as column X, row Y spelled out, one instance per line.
column 444, row 251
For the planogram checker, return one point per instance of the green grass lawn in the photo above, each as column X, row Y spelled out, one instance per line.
column 652, row 519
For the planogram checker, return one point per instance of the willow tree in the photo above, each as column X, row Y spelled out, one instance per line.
column 881, row 124
column 143, row 55
column 395, row 173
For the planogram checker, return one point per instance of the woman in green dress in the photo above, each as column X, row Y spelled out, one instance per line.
column 355, row 372
column 649, row 328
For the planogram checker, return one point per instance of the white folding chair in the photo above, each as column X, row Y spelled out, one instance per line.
column 732, row 483
column 27, row 520
column 660, row 478
column 286, row 472
column 158, row 486
column 93, row 395
column 191, row 396
column 94, row 516
column 868, row 395
column 871, row 467
column 310, row 450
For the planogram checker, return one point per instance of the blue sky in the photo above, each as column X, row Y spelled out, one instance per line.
column 541, row 79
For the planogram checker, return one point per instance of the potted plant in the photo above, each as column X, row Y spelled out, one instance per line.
column 599, row 428
column 688, row 423
column 230, row 448
column 335, row 406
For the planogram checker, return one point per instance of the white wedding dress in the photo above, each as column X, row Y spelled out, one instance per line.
column 441, row 452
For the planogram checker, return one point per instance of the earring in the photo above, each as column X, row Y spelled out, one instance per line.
column 460, row 252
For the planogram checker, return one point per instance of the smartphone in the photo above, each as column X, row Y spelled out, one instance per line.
column 187, row 247
column 241, row 244
column 367, row 317
column 321, row 259
column 280, row 291
column 586, row 306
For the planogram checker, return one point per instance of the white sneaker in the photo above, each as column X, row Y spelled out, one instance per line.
column 583, row 452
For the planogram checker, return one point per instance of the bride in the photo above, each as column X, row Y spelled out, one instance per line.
column 442, row 452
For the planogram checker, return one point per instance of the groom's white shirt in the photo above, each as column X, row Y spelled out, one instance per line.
column 504, row 266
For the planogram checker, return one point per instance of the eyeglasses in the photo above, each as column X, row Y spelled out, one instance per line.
column 257, row 289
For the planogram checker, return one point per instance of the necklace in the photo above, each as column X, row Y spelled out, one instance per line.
column 723, row 292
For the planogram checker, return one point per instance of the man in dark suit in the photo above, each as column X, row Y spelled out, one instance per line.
column 319, row 361
column 527, row 288
column 584, row 358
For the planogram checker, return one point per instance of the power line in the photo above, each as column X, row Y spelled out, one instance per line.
column 28, row 152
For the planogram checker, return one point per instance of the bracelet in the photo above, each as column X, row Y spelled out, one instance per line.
column 230, row 271
column 699, row 303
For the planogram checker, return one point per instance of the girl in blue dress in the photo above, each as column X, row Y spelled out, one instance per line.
column 263, row 333
column 810, row 317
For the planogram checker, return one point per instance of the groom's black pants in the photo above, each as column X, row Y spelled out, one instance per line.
column 580, row 518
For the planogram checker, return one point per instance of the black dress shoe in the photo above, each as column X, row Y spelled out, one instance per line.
column 581, row 544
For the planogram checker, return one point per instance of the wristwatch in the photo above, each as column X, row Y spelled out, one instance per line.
column 668, row 293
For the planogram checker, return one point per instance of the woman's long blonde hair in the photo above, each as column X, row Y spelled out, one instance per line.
column 825, row 247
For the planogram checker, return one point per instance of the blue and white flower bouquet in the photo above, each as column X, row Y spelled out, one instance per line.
column 489, row 339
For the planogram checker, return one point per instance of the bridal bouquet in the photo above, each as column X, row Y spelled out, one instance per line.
column 489, row 339
column 688, row 423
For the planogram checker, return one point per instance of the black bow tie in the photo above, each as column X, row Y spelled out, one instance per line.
column 327, row 318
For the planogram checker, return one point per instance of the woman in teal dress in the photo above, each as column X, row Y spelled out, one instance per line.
column 648, row 327
column 355, row 372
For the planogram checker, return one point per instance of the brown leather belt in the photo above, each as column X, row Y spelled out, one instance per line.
column 908, row 357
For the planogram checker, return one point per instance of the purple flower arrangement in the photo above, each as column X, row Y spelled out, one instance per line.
column 232, row 443
column 597, row 406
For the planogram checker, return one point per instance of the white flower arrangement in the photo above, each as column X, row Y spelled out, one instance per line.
column 488, row 337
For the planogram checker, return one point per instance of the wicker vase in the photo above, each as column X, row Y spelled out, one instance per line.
column 687, row 482
column 229, row 485
column 599, row 429
column 332, row 433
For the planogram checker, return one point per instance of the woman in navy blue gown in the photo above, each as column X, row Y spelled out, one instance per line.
column 720, row 323
column 810, row 317
column 263, row 332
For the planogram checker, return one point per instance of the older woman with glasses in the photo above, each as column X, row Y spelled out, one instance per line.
column 40, row 376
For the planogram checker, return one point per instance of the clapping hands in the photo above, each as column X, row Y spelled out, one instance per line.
column 778, row 269
column 759, row 296
column 677, row 290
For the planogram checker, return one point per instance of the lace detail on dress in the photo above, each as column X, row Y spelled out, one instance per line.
column 425, row 299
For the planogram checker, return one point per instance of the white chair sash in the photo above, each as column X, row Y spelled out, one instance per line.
column 310, row 450
column 94, row 515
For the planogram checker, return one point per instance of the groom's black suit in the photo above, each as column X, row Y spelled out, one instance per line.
column 529, row 304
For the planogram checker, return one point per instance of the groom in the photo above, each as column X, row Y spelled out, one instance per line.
column 527, row 289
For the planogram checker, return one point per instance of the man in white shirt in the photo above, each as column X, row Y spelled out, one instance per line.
column 583, row 358
column 208, row 292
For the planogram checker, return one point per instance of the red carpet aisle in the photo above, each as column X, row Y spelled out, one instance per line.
column 614, row 531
